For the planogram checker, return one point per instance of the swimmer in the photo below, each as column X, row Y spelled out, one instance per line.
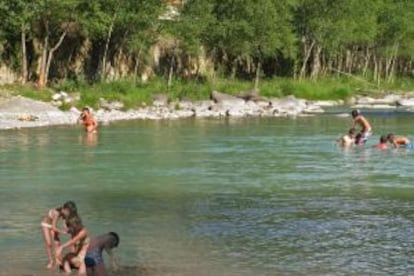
column 94, row 259
column 398, row 141
column 359, row 119
column 348, row 139
column 49, row 227
column 87, row 119
column 382, row 143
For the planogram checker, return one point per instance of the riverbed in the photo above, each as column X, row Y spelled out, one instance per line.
column 252, row 196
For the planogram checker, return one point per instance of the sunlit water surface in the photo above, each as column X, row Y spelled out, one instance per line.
column 217, row 197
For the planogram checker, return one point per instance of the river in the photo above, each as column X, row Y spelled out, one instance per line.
column 217, row 197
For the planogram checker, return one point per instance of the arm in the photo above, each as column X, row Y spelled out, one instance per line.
column 54, row 222
column 354, row 122
column 81, row 235
column 95, row 123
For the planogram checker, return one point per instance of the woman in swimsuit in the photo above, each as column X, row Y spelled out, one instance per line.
column 88, row 120
column 50, row 230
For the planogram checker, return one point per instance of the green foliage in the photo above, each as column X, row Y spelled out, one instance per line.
column 238, row 39
column 126, row 92
column 30, row 92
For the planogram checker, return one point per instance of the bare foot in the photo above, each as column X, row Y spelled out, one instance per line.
column 50, row 265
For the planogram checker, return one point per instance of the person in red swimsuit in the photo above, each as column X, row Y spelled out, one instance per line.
column 87, row 119
column 382, row 143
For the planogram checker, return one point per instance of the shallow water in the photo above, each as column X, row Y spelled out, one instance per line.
column 217, row 197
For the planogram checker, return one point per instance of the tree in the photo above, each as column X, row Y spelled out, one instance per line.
column 53, row 20
column 395, row 36
column 193, row 27
column 329, row 28
column 239, row 31
column 18, row 15
column 140, row 28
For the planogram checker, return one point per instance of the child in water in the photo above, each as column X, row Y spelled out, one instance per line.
column 382, row 143
column 348, row 139
column 366, row 129
column 50, row 230
column 94, row 259
column 398, row 141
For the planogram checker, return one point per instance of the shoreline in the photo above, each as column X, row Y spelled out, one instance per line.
column 18, row 112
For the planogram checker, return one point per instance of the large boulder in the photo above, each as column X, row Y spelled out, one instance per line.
column 409, row 102
column 223, row 98
column 160, row 100
column 251, row 95
column 289, row 106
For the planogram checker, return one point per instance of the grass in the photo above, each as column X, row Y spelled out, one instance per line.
column 30, row 92
column 135, row 95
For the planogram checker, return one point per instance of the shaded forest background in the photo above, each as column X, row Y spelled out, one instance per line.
column 50, row 41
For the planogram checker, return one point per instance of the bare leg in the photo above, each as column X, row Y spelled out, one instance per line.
column 47, row 236
column 82, row 268
column 66, row 267
column 58, row 259
column 99, row 270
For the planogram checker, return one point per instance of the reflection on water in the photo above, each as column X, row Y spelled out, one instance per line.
column 215, row 197
column 89, row 139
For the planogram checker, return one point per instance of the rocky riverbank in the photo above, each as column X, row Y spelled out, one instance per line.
column 20, row 112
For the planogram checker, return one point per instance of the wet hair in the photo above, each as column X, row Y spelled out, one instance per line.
column 383, row 139
column 71, row 206
column 85, row 108
column 72, row 220
column 355, row 113
column 74, row 224
column 390, row 136
column 351, row 131
column 116, row 238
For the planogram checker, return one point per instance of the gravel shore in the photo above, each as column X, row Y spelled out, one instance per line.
column 19, row 112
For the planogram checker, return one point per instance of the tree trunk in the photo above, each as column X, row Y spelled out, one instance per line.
column 367, row 58
column 348, row 61
column 108, row 39
column 50, row 55
column 316, row 65
column 233, row 69
column 170, row 73
column 41, row 83
column 121, row 59
column 378, row 70
column 137, row 57
column 258, row 70
column 307, row 53
column 24, row 54
column 391, row 69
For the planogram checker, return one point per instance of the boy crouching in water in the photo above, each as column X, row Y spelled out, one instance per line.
column 94, row 259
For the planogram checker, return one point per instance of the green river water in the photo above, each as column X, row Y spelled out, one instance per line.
column 217, row 197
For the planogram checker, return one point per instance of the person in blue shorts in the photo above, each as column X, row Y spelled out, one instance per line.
column 94, row 260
